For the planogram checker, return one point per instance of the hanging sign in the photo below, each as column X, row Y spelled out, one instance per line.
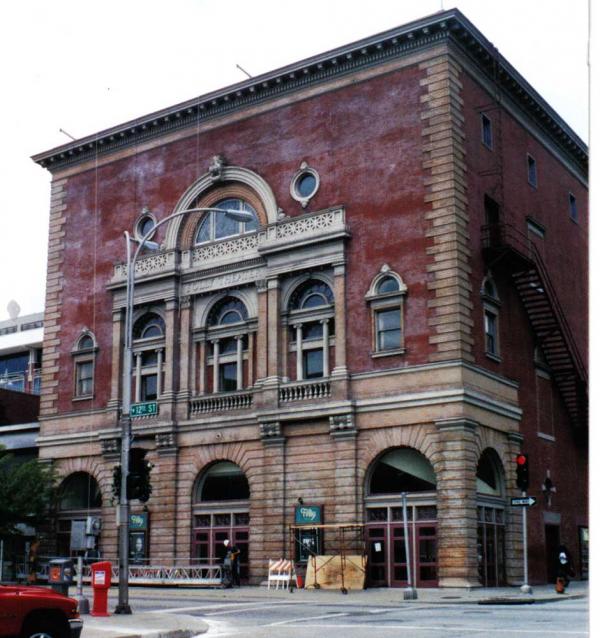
column 309, row 514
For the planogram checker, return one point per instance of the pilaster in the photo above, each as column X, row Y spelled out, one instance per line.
column 455, row 468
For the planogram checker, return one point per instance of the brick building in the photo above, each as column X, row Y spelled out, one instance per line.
column 405, row 312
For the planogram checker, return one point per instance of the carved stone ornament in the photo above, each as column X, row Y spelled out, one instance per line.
column 110, row 446
column 270, row 430
column 165, row 440
column 341, row 423
column 216, row 168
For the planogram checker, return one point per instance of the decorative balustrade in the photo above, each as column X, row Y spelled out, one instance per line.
column 221, row 402
column 304, row 391
column 304, row 229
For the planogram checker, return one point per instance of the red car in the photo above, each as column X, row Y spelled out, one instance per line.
column 37, row 612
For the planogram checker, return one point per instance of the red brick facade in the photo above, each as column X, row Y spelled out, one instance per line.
column 396, row 141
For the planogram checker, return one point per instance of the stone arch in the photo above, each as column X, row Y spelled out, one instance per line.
column 203, row 475
column 94, row 467
column 234, row 181
column 244, row 296
column 419, row 437
column 292, row 284
column 490, row 475
column 487, row 438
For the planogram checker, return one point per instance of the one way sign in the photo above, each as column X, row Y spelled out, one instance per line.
column 523, row 501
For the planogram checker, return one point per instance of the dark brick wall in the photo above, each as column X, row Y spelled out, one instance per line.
column 18, row 407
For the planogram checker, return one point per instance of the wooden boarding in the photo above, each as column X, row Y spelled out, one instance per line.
column 328, row 570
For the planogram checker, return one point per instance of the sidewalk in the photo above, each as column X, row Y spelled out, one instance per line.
column 146, row 624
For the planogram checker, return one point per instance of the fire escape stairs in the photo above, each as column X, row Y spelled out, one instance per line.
column 506, row 247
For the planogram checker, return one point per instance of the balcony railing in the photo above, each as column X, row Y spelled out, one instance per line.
column 305, row 391
column 221, row 402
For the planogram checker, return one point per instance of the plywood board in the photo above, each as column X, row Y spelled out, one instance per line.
column 328, row 571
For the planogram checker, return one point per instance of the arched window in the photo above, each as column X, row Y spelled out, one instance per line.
column 386, row 301
column 311, row 312
column 150, row 326
column 402, row 470
column 149, row 353
column 223, row 481
column 489, row 475
column 228, row 332
column 79, row 491
column 491, row 314
column 215, row 225
column 84, row 356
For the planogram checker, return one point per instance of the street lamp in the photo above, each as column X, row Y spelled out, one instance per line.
column 239, row 215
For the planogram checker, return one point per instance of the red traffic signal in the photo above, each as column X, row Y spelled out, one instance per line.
column 522, row 471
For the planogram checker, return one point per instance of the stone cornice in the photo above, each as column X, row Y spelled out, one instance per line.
column 447, row 26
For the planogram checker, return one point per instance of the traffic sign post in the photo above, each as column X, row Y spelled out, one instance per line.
column 524, row 502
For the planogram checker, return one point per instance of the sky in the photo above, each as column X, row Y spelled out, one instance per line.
column 85, row 66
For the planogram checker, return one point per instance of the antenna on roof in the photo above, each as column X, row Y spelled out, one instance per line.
column 243, row 70
column 65, row 133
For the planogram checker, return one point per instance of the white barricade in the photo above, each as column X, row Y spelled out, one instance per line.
column 281, row 573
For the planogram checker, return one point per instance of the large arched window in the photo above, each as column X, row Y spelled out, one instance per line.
column 311, row 317
column 215, row 225
column 148, row 351
column 228, row 333
column 223, row 481
column 490, row 480
column 79, row 491
column 402, row 470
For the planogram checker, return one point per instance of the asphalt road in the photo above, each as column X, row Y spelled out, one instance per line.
column 297, row 618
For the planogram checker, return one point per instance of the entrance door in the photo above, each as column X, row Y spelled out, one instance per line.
column 387, row 550
column 211, row 530
column 552, row 536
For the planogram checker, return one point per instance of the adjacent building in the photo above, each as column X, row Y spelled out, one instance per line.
column 404, row 309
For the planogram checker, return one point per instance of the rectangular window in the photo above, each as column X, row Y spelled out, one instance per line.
column 389, row 333
column 491, row 332
column 149, row 387
column 486, row 131
column 228, row 377
column 531, row 171
column 312, row 361
column 84, row 378
column 572, row 207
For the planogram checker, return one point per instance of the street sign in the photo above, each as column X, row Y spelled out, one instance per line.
column 523, row 501
column 150, row 408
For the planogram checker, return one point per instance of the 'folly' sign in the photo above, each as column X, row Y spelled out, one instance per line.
column 309, row 514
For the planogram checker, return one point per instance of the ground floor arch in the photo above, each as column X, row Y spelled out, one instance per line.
column 221, row 511
column 394, row 472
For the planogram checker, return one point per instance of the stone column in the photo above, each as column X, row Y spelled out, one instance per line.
column 239, row 362
column 138, row 377
column 159, row 371
column 325, row 324
column 202, row 368
column 455, row 468
column 171, row 351
column 251, row 337
column 215, row 343
column 261, row 335
column 299, row 369
column 185, row 348
column 116, row 377
column 339, row 294
column 273, row 330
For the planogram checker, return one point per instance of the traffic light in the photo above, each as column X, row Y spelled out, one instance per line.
column 522, row 471
column 138, row 480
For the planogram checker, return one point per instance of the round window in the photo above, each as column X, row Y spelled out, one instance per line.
column 305, row 184
column 144, row 226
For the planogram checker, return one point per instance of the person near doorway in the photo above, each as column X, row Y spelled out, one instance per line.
column 231, row 565
column 564, row 569
column 33, row 562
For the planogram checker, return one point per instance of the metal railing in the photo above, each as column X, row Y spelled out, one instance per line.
column 305, row 390
column 202, row 574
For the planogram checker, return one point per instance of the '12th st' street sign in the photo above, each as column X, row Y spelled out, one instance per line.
column 150, row 408
column 523, row 501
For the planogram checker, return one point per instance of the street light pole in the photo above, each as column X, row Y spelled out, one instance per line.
column 123, row 606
